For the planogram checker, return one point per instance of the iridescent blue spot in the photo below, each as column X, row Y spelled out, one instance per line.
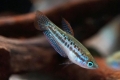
column 78, row 60
column 115, row 64
column 86, row 58
column 90, row 64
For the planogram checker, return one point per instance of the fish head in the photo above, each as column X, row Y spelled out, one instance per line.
column 87, row 62
column 91, row 64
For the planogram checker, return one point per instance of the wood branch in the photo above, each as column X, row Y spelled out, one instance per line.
column 31, row 57
column 30, row 49
column 17, row 56
column 24, row 55
column 76, row 12
column 4, row 63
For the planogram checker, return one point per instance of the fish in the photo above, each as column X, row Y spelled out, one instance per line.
column 113, row 61
column 63, row 41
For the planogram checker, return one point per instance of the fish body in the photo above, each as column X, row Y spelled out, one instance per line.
column 64, row 42
column 114, row 60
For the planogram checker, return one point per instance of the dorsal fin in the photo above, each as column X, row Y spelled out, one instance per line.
column 66, row 27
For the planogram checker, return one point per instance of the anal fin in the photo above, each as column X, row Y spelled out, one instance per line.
column 54, row 43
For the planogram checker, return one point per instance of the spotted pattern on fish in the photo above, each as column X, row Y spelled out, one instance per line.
column 54, row 43
column 64, row 42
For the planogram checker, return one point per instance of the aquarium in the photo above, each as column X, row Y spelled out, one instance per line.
column 60, row 40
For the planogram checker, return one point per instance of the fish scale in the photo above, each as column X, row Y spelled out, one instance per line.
column 54, row 32
column 64, row 42
column 57, row 48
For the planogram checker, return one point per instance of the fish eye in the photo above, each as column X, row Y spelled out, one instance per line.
column 90, row 64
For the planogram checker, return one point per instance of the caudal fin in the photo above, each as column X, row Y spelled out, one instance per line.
column 41, row 21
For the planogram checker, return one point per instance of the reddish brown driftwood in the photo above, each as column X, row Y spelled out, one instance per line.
column 24, row 55
column 74, row 12
column 28, row 56
column 4, row 63
column 33, row 54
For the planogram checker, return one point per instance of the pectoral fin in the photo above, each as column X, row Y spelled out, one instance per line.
column 66, row 27
column 66, row 63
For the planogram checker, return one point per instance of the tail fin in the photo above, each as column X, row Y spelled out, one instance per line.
column 41, row 21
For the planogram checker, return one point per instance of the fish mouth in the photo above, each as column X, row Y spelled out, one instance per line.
column 95, row 66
